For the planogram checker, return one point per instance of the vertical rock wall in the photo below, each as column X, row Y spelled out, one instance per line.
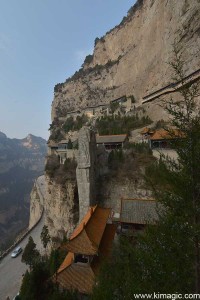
column 36, row 207
column 86, row 170
column 61, row 208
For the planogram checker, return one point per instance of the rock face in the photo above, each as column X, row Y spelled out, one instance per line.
column 36, row 207
column 61, row 208
column 114, row 190
column 132, row 58
column 86, row 170
column 37, row 198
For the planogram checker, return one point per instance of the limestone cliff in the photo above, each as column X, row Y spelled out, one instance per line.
column 61, row 207
column 37, row 199
column 36, row 207
column 132, row 58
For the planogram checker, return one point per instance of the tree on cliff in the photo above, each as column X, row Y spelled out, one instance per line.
column 30, row 254
column 44, row 236
column 167, row 258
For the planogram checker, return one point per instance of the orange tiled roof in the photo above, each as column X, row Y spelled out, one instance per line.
column 77, row 276
column 145, row 130
column 67, row 262
column 84, row 221
column 162, row 134
column 87, row 236
column 105, row 247
column 81, row 276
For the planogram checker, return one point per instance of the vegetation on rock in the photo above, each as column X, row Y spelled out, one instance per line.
column 73, row 125
column 30, row 253
column 120, row 124
column 60, row 172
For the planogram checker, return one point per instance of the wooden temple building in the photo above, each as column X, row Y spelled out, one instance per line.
column 111, row 142
column 138, row 212
column 89, row 244
column 164, row 139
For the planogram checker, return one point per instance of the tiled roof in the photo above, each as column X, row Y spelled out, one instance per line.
column 138, row 211
column 87, row 236
column 52, row 144
column 81, row 276
column 92, row 236
column 77, row 276
column 63, row 142
column 163, row 134
column 145, row 130
column 103, row 139
column 67, row 262
column 105, row 247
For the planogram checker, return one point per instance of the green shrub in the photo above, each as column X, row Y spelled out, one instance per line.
column 88, row 59
column 69, row 144
column 71, row 124
column 52, row 165
column 56, row 135
column 120, row 124
column 138, row 147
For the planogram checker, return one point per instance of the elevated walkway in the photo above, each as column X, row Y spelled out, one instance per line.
column 173, row 87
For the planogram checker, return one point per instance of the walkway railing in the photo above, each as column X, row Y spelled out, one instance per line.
column 172, row 87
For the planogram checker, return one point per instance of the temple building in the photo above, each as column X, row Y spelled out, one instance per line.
column 111, row 142
column 163, row 139
column 135, row 214
column 89, row 244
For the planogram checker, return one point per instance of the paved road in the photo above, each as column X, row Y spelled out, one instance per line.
column 12, row 269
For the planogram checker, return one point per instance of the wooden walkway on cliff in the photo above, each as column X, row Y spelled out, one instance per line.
column 173, row 87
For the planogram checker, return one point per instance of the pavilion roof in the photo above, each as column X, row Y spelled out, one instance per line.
column 163, row 134
column 145, row 130
column 77, row 276
column 116, row 138
column 139, row 211
column 87, row 236
column 81, row 276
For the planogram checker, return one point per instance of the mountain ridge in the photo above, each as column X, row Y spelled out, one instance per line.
column 21, row 162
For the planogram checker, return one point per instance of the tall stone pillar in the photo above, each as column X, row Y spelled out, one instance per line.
column 86, row 170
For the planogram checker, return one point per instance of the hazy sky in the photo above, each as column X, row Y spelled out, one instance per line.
column 43, row 42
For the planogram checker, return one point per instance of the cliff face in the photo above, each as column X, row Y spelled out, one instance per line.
column 61, row 207
column 132, row 58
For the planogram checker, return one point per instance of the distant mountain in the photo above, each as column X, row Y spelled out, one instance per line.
column 21, row 161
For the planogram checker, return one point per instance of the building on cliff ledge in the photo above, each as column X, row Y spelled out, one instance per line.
column 89, row 244
column 111, row 142
column 135, row 214
column 61, row 150
column 164, row 139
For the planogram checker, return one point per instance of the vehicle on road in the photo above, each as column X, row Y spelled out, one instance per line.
column 16, row 297
column 16, row 252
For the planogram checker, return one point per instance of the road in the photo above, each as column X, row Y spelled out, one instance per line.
column 12, row 269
